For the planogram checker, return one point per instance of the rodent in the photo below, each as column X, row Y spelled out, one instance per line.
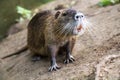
column 54, row 31
column 50, row 31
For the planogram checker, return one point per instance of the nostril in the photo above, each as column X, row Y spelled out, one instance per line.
column 77, row 17
column 81, row 15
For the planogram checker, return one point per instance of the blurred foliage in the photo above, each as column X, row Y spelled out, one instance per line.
column 8, row 14
column 25, row 13
column 108, row 2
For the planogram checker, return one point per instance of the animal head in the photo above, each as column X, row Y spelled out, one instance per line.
column 70, row 22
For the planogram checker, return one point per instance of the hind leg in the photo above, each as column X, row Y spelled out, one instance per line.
column 36, row 57
column 38, row 54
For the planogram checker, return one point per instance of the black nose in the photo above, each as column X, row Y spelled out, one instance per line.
column 81, row 16
column 77, row 16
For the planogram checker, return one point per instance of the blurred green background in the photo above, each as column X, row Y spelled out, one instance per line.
column 8, row 12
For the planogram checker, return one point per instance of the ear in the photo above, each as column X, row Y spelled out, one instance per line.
column 57, row 14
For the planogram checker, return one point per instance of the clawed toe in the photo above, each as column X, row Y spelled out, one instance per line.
column 69, row 60
column 54, row 67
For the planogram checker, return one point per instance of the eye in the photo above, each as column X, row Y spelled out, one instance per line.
column 64, row 14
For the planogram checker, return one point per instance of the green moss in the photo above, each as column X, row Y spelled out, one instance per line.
column 108, row 2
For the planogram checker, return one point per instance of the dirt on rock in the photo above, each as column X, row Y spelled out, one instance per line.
column 97, row 52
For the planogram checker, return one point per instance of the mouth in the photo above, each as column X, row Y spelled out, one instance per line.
column 79, row 28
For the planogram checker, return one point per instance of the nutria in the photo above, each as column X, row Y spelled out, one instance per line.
column 50, row 31
column 54, row 31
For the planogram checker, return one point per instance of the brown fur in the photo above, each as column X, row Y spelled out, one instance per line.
column 41, row 32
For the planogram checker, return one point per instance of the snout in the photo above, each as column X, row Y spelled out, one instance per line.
column 79, row 19
column 78, row 16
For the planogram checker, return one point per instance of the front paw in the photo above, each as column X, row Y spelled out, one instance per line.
column 54, row 67
column 69, row 59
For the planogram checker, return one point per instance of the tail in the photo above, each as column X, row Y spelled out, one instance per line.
column 17, row 52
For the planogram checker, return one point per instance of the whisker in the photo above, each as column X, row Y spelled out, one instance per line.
column 60, row 32
column 58, row 29
column 96, row 31
column 66, row 30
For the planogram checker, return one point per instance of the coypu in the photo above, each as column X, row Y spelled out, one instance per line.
column 51, row 31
